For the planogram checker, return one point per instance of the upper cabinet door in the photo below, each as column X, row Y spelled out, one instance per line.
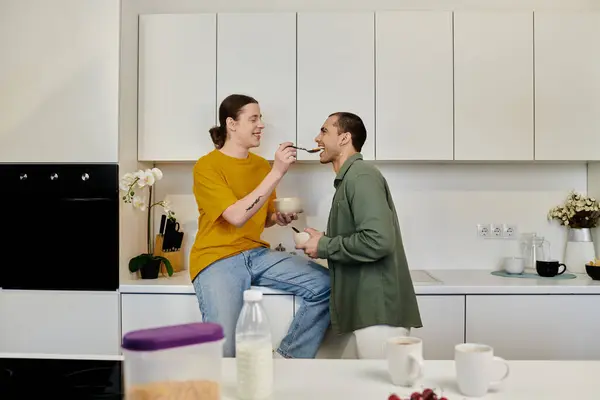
column 59, row 81
column 414, row 104
column 567, row 85
column 336, row 72
column 177, row 86
column 493, row 84
column 256, row 56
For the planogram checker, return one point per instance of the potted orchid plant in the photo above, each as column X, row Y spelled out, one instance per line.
column 133, row 184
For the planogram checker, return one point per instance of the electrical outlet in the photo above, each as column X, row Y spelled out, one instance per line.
column 483, row 230
column 509, row 231
column 496, row 231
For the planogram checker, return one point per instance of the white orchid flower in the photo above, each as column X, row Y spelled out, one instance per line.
column 157, row 173
column 139, row 203
column 126, row 181
column 146, row 178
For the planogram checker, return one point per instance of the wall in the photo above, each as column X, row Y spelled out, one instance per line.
column 439, row 204
column 594, row 190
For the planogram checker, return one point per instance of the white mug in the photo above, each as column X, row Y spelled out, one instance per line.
column 405, row 359
column 474, row 368
column 514, row 265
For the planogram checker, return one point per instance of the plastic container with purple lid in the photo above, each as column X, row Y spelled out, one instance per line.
column 181, row 361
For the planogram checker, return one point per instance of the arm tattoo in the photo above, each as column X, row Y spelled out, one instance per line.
column 253, row 204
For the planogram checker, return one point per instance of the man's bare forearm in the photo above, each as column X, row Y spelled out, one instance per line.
column 254, row 203
column 242, row 210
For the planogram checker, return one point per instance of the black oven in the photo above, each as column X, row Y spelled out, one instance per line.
column 60, row 227
column 65, row 379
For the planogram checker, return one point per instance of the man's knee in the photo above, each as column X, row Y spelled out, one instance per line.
column 323, row 294
column 321, row 285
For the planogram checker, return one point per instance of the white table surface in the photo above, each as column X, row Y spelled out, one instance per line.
column 368, row 380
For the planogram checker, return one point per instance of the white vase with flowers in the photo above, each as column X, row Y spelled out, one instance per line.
column 579, row 214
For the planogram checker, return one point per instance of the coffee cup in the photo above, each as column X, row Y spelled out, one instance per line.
column 549, row 268
column 405, row 360
column 474, row 368
column 514, row 265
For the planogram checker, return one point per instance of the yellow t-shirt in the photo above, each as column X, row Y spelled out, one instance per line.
column 220, row 181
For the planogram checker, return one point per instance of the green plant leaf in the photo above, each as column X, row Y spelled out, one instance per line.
column 167, row 263
column 139, row 261
column 135, row 263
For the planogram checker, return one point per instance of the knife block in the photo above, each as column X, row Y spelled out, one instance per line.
column 175, row 257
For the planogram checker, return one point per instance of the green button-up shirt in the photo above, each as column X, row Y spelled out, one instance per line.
column 370, row 280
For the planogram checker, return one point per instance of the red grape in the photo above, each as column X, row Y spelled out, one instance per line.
column 416, row 396
column 394, row 396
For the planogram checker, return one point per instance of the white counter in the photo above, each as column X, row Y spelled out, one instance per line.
column 179, row 283
column 448, row 282
column 366, row 379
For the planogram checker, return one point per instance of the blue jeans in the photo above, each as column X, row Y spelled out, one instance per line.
column 220, row 288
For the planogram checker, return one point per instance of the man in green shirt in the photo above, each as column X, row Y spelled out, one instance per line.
column 372, row 294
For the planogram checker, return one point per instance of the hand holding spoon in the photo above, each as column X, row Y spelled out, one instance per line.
column 315, row 150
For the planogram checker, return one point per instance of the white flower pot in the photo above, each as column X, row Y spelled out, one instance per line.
column 579, row 250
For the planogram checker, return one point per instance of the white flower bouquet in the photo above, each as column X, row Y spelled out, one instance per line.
column 578, row 212
column 134, row 184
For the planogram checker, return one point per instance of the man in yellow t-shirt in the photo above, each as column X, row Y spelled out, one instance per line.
column 235, row 192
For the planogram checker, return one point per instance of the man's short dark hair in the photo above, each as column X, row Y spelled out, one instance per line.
column 353, row 124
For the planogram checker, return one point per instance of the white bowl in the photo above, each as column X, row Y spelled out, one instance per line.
column 288, row 205
column 301, row 238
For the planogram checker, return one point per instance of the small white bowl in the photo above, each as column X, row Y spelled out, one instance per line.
column 301, row 238
column 288, row 205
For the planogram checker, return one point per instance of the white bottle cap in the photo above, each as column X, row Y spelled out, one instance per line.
column 252, row 295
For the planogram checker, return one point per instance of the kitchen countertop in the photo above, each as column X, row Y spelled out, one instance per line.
column 368, row 379
column 444, row 282
column 179, row 283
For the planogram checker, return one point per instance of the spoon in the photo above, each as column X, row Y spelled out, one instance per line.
column 317, row 149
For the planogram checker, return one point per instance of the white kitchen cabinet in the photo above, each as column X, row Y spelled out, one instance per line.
column 256, row 56
column 567, row 85
column 59, row 81
column 493, row 85
column 414, row 85
column 177, row 86
column 443, row 320
column 280, row 311
column 141, row 311
column 57, row 322
column 536, row 327
column 336, row 72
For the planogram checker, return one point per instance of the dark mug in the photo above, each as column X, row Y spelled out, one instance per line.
column 548, row 269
